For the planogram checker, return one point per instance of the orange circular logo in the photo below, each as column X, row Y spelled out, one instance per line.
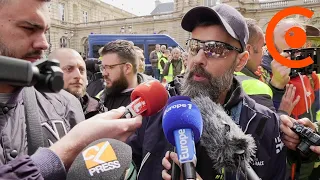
column 295, row 37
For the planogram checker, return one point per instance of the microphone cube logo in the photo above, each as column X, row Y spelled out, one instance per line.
column 295, row 37
column 100, row 158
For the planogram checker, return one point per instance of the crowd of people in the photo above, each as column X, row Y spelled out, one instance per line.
column 226, row 60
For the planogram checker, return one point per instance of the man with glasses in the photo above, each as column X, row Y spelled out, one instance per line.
column 216, row 50
column 119, row 68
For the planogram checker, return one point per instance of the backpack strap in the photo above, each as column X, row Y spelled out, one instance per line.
column 33, row 123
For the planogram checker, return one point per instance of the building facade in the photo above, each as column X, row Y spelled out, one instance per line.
column 84, row 17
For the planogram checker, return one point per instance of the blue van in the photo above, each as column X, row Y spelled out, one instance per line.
column 146, row 42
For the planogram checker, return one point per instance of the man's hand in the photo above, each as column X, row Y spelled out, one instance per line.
column 280, row 74
column 290, row 138
column 288, row 102
column 315, row 149
column 167, row 166
column 105, row 125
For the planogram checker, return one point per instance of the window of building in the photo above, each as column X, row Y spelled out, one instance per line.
column 63, row 42
column 85, row 16
column 61, row 12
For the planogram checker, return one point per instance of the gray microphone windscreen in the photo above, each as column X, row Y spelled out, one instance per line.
column 106, row 159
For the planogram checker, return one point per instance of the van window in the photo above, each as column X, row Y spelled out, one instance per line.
column 95, row 50
column 140, row 46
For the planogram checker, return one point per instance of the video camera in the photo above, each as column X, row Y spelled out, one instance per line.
column 44, row 75
column 299, row 54
column 308, row 138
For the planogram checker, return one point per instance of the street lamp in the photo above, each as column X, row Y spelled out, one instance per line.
column 69, row 36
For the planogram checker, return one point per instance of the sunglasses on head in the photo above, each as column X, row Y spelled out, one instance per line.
column 212, row 49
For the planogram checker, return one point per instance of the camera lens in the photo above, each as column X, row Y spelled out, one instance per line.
column 304, row 147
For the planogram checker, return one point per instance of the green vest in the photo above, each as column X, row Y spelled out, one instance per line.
column 159, row 54
column 253, row 86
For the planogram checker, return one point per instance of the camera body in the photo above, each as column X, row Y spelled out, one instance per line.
column 299, row 54
column 308, row 138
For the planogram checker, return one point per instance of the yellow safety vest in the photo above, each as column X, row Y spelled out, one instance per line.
column 159, row 64
column 253, row 86
column 159, row 54
column 99, row 94
column 170, row 77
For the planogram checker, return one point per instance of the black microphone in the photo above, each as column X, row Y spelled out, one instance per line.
column 44, row 75
column 226, row 144
column 103, row 159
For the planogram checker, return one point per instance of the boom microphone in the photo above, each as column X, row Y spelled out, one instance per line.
column 105, row 159
column 226, row 144
column 148, row 98
column 182, row 126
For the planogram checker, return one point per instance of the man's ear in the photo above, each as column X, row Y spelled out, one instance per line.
column 128, row 68
column 249, row 48
column 242, row 60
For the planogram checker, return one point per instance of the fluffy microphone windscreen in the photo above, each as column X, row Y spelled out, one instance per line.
column 182, row 114
column 106, row 159
column 153, row 93
column 225, row 143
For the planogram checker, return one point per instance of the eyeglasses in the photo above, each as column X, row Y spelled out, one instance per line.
column 109, row 67
column 212, row 49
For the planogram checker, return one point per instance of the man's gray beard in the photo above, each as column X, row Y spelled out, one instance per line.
column 212, row 88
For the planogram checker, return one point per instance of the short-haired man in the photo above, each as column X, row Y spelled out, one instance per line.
column 216, row 50
column 154, row 57
column 119, row 70
column 75, row 79
column 141, row 59
column 174, row 66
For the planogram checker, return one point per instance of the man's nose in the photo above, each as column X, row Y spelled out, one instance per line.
column 41, row 43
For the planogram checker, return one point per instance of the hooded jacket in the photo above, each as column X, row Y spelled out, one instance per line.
column 149, row 144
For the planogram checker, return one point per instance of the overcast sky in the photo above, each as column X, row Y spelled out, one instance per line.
column 137, row 7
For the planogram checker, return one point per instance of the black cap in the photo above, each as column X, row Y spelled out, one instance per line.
column 226, row 15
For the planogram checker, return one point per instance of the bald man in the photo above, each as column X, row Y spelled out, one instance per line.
column 75, row 79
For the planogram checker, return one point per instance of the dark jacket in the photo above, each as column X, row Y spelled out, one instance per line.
column 154, row 59
column 44, row 164
column 91, row 106
column 149, row 144
column 114, row 101
column 58, row 113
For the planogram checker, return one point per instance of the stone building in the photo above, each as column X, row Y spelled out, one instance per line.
column 83, row 17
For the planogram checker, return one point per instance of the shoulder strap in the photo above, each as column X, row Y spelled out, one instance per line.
column 34, row 131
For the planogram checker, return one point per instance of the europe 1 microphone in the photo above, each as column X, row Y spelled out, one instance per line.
column 147, row 99
column 182, row 126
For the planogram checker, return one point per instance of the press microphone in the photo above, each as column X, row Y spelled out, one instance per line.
column 105, row 159
column 147, row 99
column 226, row 144
column 182, row 126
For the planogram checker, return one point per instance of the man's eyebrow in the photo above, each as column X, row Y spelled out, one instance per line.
column 36, row 26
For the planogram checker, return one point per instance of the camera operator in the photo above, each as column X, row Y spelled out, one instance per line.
column 306, row 85
column 22, row 35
